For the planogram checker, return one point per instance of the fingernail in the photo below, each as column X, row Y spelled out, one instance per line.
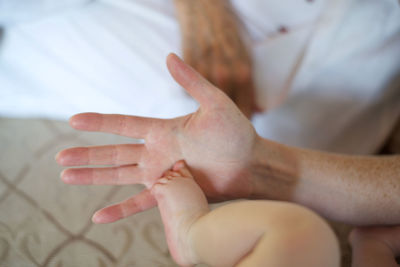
column 59, row 158
column 96, row 219
column 65, row 177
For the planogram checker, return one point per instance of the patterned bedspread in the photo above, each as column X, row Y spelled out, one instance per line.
column 44, row 222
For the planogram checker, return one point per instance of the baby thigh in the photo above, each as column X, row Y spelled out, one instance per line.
column 264, row 233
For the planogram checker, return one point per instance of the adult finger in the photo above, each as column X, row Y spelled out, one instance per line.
column 131, row 126
column 102, row 155
column 198, row 87
column 141, row 202
column 130, row 174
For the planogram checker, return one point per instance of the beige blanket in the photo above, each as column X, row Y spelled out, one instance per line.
column 44, row 222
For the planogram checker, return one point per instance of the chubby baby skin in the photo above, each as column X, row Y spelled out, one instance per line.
column 245, row 233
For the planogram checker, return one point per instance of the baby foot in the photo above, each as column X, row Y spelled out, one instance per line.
column 181, row 203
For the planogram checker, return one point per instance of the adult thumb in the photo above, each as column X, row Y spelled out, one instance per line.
column 197, row 86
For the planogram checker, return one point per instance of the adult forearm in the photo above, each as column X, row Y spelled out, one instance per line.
column 353, row 189
column 184, row 8
column 202, row 18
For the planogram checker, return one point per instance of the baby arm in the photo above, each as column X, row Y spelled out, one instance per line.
column 246, row 233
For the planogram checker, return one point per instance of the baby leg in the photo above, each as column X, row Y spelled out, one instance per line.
column 246, row 233
column 264, row 233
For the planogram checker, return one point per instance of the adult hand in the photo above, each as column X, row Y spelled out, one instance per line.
column 217, row 142
column 212, row 44
column 375, row 246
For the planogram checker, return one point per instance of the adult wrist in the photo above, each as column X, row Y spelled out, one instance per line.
column 274, row 171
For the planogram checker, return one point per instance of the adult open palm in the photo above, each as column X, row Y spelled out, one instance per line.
column 216, row 141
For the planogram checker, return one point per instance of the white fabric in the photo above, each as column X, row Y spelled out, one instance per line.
column 337, row 64
column 17, row 11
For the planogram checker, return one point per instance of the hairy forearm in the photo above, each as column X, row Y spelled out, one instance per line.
column 185, row 8
column 358, row 190
column 206, row 20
